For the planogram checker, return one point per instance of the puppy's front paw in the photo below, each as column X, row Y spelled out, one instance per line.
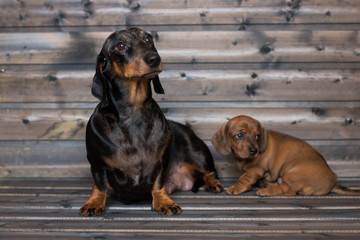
column 264, row 192
column 92, row 209
column 167, row 207
column 234, row 190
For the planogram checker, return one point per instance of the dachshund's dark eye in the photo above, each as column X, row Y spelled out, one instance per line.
column 239, row 136
column 257, row 137
column 149, row 40
column 121, row 46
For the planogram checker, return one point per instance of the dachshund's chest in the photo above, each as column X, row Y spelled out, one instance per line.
column 140, row 144
column 145, row 134
column 134, row 166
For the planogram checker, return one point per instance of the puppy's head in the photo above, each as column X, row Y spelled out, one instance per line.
column 127, row 55
column 243, row 136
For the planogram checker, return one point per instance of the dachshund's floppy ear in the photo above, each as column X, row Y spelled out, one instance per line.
column 220, row 140
column 263, row 139
column 157, row 85
column 99, row 87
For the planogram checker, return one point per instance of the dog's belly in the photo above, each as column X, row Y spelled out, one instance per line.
column 180, row 180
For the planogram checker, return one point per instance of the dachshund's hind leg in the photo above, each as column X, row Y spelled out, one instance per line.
column 212, row 184
column 190, row 176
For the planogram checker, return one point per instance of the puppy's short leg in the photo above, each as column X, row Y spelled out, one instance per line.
column 267, row 184
column 245, row 181
column 281, row 190
column 161, row 202
column 290, row 184
column 95, row 205
column 212, row 184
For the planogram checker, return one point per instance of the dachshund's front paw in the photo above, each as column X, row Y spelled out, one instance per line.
column 92, row 209
column 168, row 207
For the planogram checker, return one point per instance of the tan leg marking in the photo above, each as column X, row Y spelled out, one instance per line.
column 161, row 202
column 95, row 205
column 212, row 184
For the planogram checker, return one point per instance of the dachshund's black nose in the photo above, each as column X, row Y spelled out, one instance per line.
column 253, row 151
column 153, row 60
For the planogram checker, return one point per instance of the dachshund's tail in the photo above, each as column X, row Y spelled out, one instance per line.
column 339, row 189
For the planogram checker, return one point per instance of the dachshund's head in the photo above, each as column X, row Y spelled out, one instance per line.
column 127, row 55
column 243, row 136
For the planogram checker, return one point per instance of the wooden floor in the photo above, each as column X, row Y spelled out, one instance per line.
column 47, row 209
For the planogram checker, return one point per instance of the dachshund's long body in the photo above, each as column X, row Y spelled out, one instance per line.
column 285, row 165
column 131, row 146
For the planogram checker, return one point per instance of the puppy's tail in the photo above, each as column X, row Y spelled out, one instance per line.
column 339, row 189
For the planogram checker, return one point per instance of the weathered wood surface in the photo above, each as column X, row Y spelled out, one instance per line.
column 146, row 12
column 176, row 47
column 294, row 65
column 196, row 85
column 36, row 209
column 67, row 159
column 58, row 124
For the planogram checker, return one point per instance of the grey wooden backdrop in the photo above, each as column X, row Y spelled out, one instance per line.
column 292, row 64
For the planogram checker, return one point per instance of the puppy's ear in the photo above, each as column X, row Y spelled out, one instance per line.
column 263, row 139
column 157, row 85
column 99, row 85
column 220, row 140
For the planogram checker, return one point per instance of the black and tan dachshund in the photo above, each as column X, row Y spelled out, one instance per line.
column 131, row 146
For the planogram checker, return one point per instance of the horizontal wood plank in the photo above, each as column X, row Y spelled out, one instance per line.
column 64, row 159
column 124, row 13
column 196, row 85
column 232, row 66
column 199, row 27
column 188, row 47
column 35, row 207
column 74, row 152
column 225, row 168
column 314, row 123
column 191, row 235
column 213, row 105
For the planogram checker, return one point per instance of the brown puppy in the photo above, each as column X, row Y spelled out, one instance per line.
column 287, row 165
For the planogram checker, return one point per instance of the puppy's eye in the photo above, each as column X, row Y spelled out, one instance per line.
column 121, row 46
column 257, row 137
column 239, row 136
column 149, row 40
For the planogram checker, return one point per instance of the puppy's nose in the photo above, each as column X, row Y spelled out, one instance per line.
column 253, row 151
column 153, row 60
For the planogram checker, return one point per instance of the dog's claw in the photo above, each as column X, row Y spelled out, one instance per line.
column 174, row 210
column 214, row 186
column 233, row 191
column 168, row 210
column 90, row 211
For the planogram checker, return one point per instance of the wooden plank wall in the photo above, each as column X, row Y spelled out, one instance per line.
column 292, row 64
